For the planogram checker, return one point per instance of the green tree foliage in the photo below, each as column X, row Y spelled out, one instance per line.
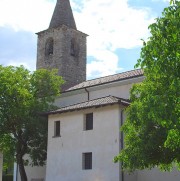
column 152, row 128
column 23, row 96
column 8, row 157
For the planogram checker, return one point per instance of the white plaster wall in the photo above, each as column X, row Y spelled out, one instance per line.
column 130, row 177
column 34, row 173
column 121, row 91
column 156, row 175
column 70, row 99
column 1, row 165
column 64, row 159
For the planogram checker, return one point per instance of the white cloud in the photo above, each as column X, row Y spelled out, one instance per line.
column 26, row 64
column 106, row 63
column 111, row 24
column 29, row 15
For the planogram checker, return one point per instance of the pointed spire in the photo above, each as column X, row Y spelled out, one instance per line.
column 62, row 15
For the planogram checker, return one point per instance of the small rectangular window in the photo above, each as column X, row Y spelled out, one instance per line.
column 57, row 128
column 88, row 122
column 87, row 161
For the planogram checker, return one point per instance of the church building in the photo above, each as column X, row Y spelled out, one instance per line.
column 84, row 133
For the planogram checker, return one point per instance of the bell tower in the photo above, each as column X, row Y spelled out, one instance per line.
column 63, row 47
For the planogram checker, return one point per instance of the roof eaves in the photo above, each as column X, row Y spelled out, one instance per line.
column 77, row 109
column 121, row 101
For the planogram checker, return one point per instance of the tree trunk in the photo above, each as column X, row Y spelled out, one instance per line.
column 21, row 149
column 21, row 168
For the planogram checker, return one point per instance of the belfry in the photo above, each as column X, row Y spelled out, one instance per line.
column 63, row 47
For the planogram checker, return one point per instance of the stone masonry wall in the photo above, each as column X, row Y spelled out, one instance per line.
column 69, row 54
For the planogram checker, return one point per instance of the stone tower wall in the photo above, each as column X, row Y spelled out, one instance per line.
column 69, row 54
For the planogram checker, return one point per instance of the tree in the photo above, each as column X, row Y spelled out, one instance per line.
column 152, row 127
column 23, row 96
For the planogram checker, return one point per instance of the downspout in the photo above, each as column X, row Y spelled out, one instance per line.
column 122, row 144
column 87, row 92
column 17, row 172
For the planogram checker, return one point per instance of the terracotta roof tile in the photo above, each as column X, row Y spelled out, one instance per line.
column 104, row 101
column 108, row 79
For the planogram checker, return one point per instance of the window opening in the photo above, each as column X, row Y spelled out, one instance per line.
column 74, row 48
column 88, row 122
column 57, row 128
column 73, row 51
column 49, row 47
column 87, row 161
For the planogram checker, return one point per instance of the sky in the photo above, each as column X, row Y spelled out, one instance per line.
column 115, row 29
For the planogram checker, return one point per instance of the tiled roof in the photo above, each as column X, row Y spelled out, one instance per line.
column 108, row 79
column 104, row 101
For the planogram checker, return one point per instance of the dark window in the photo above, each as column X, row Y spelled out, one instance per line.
column 87, row 161
column 88, row 123
column 49, row 47
column 74, row 49
column 57, row 128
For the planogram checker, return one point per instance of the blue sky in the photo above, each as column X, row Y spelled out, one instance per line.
column 115, row 28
